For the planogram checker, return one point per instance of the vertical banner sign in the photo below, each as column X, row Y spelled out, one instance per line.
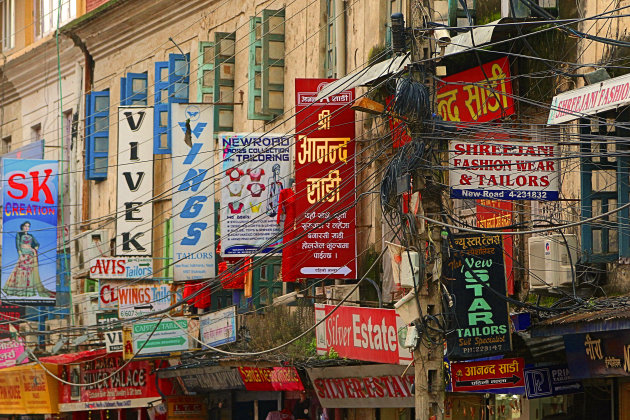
column 193, row 184
column 481, row 317
column 29, row 234
column 256, row 168
column 134, row 218
column 498, row 214
column 325, row 182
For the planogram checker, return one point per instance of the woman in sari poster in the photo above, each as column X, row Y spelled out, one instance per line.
column 24, row 281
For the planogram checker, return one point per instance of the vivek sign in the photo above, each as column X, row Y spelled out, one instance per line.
column 361, row 333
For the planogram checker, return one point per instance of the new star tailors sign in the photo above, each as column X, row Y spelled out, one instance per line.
column 325, row 182
column 29, row 231
column 469, row 98
column 134, row 207
column 363, row 386
column 504, row 170
column 482, row 319
column 361, row 333
column 489, row 374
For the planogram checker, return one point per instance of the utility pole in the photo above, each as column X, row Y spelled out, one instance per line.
column 429, row 355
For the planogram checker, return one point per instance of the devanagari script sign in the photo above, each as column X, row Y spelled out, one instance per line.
column 325, row 183
column 469, row 97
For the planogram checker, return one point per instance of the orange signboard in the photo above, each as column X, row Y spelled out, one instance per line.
column 28, row 389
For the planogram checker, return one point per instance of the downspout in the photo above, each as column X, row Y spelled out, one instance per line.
column 340, row 37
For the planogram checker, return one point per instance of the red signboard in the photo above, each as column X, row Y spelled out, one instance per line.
column 325, row 182
column 369, row 334
column 490, row 374
column 271, row 379
column 476, row 95
column 498, row 214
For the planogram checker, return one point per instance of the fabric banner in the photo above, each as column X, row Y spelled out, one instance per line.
column 193, row 198
column 256, row 168
column 325, row 183
column 29, row 238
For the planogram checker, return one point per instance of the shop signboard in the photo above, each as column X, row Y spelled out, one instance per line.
column 9, row 314
column 369, row 334
column 481, row 317
column 29, row 231
column 271, row 379
column 256, row 167
column 598, row 354
column 492, row 214
column 134, row 207
column 167, row 336
column 365, row 386
column 477, row 95
column 589, row 100
column 121, row 268
column 218, row 327
column 186, row 407
column 325, row 239
column 28, row 389
column 10, row 350
column 487, row 374
column 143, row 299
column 193, row 195
column 504, row 170
column 107, row 320
column 108, row 294
column 549, row 381
column 113, row 341
column 206, row 378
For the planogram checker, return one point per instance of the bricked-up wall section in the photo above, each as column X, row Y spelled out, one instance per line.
column 93, row 4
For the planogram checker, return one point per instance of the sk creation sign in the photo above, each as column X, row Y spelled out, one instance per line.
column 482, row 321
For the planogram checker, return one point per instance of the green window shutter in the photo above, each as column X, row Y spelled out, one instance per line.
column 254, row 97
column 205, row 72
column 330, row 62
column 225, row 49
column 273, row 62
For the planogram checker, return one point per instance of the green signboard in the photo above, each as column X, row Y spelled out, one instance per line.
column 168, row 336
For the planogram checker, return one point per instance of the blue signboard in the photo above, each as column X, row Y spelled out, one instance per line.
column 548, row 381
column 29, row 237
column 598, row 354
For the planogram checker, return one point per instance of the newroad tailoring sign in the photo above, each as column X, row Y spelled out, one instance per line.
column 134, row 218
column 193, row 198
column 482, row 321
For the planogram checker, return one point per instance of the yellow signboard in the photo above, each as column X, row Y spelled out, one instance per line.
column 28, row 389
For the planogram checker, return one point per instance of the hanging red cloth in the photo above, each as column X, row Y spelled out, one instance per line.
column 202, row 300
column 235, row 276
column 286, row 206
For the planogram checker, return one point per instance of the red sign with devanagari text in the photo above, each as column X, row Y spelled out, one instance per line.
column 477, row 95
column 325, row 182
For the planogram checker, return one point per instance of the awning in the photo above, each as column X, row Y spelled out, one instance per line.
column 590, row 100
column 365, row 75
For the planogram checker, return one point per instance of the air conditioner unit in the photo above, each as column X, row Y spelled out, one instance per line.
column 549, row 262
column 93, row 244
column 409, row 269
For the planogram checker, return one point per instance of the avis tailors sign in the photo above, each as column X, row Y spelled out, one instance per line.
column 121, row 268
column 361, row 333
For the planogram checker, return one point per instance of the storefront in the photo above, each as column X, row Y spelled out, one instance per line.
column 366, row 392
column 28, row 390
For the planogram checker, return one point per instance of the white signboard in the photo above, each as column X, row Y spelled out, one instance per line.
column 589, row 100
column 122, row 268
column 134, row 207
column 113, row 341
column 138, row 300
column 219, row 327
column 255, row 168
column 108, row 294
column 169, row 336
column 193, row 198
column 504, row 171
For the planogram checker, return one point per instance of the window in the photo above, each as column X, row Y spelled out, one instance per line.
column 457, row 16
column 215, row 77
column 36, row 133
column 330, row 62
column 133, row 89
column 604, row 187
column 6, row 145
column 8, row 24
column 49, row 15
column 393, row 6
column 171, row 86
column 266, row 66
column 97, row 135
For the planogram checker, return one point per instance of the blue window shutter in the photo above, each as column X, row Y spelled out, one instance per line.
column 160, row 117
column 97, row 135
column 133, row 89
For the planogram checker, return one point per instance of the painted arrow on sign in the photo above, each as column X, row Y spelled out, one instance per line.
column 326, row 270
